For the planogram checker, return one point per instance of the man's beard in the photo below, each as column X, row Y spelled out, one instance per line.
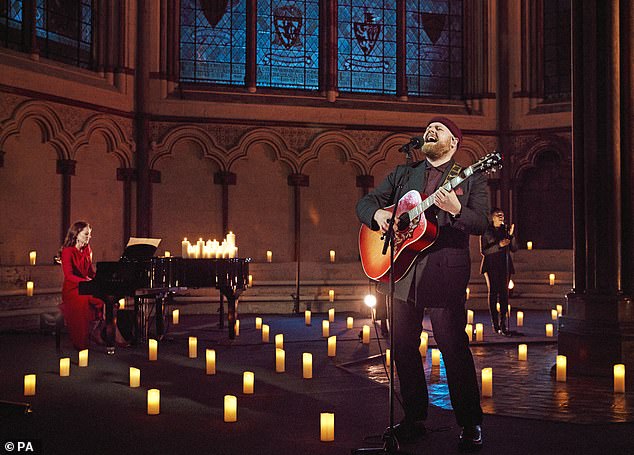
column 435, row 150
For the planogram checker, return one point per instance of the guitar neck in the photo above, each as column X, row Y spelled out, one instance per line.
column 450, row 185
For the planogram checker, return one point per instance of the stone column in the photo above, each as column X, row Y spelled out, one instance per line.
column 126, row 175
column 297, row 181
column 225, row 178
column 66, row 168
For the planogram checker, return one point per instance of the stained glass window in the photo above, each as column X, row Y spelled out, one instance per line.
column 213, row 41
column 434, row 48
column 11, row 23
column 367, row 46
column 557, row 43
column 64, row 30
column 288, row 44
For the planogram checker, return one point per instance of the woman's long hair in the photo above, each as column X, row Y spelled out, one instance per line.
column 71, row 235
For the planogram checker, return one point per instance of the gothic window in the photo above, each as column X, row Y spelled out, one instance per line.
column 557, row 43
column 11, row 23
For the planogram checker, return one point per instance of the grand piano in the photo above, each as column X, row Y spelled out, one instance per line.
column 159, row 278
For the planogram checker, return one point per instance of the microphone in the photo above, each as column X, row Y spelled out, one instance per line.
column 414, row 143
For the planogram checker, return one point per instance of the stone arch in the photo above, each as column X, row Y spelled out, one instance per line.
column 195, row 134
column 343, row 142
column 472, row 149
column 387, row 145
column 529, row 154
column 117, row 142
column 277, row 143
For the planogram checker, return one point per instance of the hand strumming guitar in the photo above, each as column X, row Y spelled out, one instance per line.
column 382, row 218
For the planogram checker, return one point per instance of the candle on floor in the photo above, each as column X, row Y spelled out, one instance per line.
column 331, row 315
column 279, row 341
column 424, row 338
column 435, row 357
column 331, row 295
column 152, row 346
column 325, row 328
column 231, row 409
column 553, row 315
column 619, row 378
column 83, row 358
column 332, row 255
column 250, row 280
column 522, row 352
column 210, row 361
column 280, row 360
column 265, row 333
column 560, row 310
column 349, row 322
column 366, row 334
column 307, row 317
column 29, row 385
column 551, row 279
column 487, row 382
column 529, row 245
column 135, row 377
column 497, row 307
column 469, row 331
column 32, row 257
column 122, row 304
column 258, row 323
column 327, row 426
column 307, row 365
column 549, row 330
column 167, row 254
column 468, row 291
column 561, row 368
column 193, row 347
column 29, row 288
column 64, row 366
column 153, row 402
column 388, row 357
column 479, row 332
column 236, row 327
column 520, row 318
column 469, row 316
column 332, row 346
column 248, row 382
column 176, row 316
column 269, row 256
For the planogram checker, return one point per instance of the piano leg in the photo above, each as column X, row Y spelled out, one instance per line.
column 221, row 312
column 110, row 324
column 160, row 322
column 231, row 316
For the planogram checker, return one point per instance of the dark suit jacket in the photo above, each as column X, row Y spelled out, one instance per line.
column 440, row 274
column 494, row 257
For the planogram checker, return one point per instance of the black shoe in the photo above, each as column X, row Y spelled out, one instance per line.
column 470, row 438
column 408, row 431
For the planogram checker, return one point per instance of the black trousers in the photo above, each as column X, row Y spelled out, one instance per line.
column 449, row 332
column 497, row 282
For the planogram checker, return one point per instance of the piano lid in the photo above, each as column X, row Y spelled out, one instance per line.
column 140, row 248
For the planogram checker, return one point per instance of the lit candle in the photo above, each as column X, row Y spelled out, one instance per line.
column 29, row 288
column 388, row 357
column 122, row 304
column 366, row 334
column 307, row 365
column 332, row 255
column 279, row 341
column 468, row 291
column 332, row 346
column 231, row 408
column 236, row 327
column 424, row 337
column 325, row 328
column 511, row 285
column 167, row 254
column 331, row 315
column 479, row 332
column 561, row 368
column 560, row 310
column 258, row 323
column 152, row 346
column 250, row 280
column 210, row 361
column 619, row 379
column 153, row 402
column 497, row 307
column 551, row 279
column 269, row 256
column 469, row 316
column 231, row 239
column 32, row 257
column 29, row 385
column 175, row 316
column 83, row 358
column 435, row 357
column 553, row 315
column 469, row 330
column 331, row 295
column 549, row 330
column 520, row 318
column 265, row 333
column 327, row 426
column 193, row 347
column 280, row 360
column 529, row 245
column 307, row 317
column 247, row 382
column 135, row 377
column 200, row 248
column 64, row 366
column 487, row 382
column 185, row 248
column 522, row 352
column 349, row 322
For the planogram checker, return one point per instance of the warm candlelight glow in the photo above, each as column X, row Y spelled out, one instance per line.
column 327, row 426
column 424, row 338
column 265, row 333
column 619, row 378
column 29, row 288
column 497, row 307
column 529, row 245
column 83, row 358
column 250, row 280
column 549, row 330
column 210, row 361
column 469, row 331
column 64, row 366
column 280, row 360
column 551, row 279
column 435, row 357
column 487, row 382
column 522, row 352
column 29, row 385
column 331, row 295
column 231, row 408
column 469, row 316
column 135, row 377
column 349, row 322
column 32, row 257
column 332, row 255
column 479, row 332
column 269, row 256
column 561, row 368
column 520, row 318
column 193, row 347
column 122, row 304
column 553, row 315
column 152, row 346
column 167, row 254
column 366, row 334
column 511, row 285
column 248, row 382
column 153, row 402
column 258, row 323
column 388, row 357
column 468, row 292
column 307, row 317
column 560, row 310
column 279, row 341
column 307, row 365
column 175, row 316
column 332, row 346
column 325, row 328
column 331, row 315
column 236, row 327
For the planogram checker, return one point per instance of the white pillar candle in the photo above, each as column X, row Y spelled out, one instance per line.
column 269, row 256
column 619, row 378
column 32, row 257
column 122, row 304
column 231, row 409
column 332, row 255
column 200, row 248
column 331, row 315
column 236, row 327
column 325, row 328
column 424, row 338
column 265, row 333
column 487, row 382
column 553, row 315
column 549, row 330
column 185, row 248
column 520, row 318
column 280, row 360
column 366, row 334
column 307, row 365
column 153, row 402
column 479, row 332
column 152, row 346
column 529, row 245
column 388, row 357
column 560, row 310
column 279, row 341
column 522, row 352
column 193, row 347
column 258, row 323
column 435, row 357
column 327, row 426
column 167, row 254
column 176, row 316
column 83, row 358
column 331, row 295
column 29, row 385
column 469, row 331
column 332, row 346
column 349, row 322
column 29, row 288
column 467, row 293
column 307, row 317
column 561, row 368
column 551, row 279
column 231, row 239
column 469, row 316
column 248, row 382
column 64, row 366
column 210, row 361
column 497, row 307
column 250, row 280
column 135, row 377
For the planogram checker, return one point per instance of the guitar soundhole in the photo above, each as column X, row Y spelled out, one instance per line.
column 403, row 222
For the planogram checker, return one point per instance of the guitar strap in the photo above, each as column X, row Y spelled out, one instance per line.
column 455, row 170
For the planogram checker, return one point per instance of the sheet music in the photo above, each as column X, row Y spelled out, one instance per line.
column 143, row 241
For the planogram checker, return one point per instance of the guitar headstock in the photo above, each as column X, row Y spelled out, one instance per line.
column 491, row 162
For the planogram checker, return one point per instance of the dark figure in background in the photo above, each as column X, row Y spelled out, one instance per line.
column 497, row 267
column 437, row 280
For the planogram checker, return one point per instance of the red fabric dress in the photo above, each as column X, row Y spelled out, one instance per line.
column 78, row 310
